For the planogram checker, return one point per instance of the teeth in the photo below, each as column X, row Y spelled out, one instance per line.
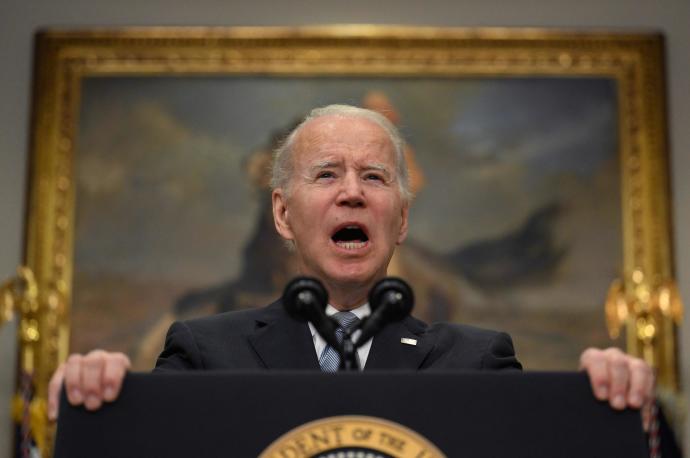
column 351, row 245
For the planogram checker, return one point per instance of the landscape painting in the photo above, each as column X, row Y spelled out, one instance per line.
column 515, row 225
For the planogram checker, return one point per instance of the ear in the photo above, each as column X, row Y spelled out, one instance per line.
column 280, row 214
column 402, row 235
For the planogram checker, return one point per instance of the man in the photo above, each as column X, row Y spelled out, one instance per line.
column 341, row 200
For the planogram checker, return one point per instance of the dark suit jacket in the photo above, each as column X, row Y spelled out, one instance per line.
column 268, row 338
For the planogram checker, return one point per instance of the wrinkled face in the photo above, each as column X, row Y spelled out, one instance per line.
column 343, row 208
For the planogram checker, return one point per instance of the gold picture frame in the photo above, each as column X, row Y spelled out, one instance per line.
column 643, row 301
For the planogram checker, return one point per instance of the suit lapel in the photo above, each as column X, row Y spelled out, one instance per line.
column 388, row 352
column 282, row 342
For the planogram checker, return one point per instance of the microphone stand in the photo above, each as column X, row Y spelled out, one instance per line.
column 348, row 355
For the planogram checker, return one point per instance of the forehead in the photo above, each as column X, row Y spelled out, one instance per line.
column 356, row 138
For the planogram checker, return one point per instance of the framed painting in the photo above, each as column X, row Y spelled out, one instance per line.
column 538, row 160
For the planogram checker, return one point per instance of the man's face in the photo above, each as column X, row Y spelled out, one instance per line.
column 343, row 208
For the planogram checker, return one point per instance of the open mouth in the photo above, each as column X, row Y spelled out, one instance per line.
column 350, row 237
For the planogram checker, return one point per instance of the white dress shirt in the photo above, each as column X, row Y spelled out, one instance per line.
column 320, row 344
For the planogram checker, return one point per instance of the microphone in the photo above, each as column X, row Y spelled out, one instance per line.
column 305, row 299
column 391, row 299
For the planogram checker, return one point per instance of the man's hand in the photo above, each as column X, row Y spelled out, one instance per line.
column 621, row 379
column 89, row 379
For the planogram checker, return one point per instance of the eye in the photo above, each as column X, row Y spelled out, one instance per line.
column 374, row 177
column 324, row 175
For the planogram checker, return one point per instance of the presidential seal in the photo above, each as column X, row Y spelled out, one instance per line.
column 352, row 437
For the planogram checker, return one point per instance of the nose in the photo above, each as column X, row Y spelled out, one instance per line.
column 351, row 192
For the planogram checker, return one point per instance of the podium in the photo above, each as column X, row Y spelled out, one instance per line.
column 358, row 415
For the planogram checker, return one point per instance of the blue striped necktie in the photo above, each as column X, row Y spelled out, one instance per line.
column 330, row 359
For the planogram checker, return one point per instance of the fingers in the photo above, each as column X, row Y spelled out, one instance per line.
column 91, row 375
column 623, row 380
column 89, row 380
column 641, row 383
column 54, row 392
column 642, row 391
column 592, row 361
column 619, row 376
column 75, row 394
column 647, row 415
column 113, row 374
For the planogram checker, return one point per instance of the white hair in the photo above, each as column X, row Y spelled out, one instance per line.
column 282, row 163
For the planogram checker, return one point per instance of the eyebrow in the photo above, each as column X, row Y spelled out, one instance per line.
column 331, row 164
column 324, row 165
column 376, row 166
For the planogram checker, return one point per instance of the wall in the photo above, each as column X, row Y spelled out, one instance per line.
column 19, row 19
